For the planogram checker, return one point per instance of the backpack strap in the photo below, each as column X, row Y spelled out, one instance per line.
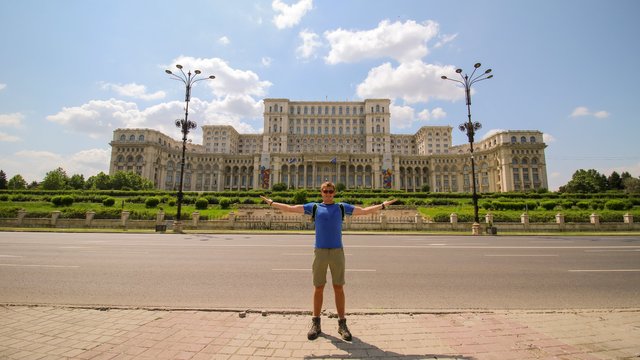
column 315, row 209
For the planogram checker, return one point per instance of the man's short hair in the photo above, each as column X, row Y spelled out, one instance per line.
column 327, row 184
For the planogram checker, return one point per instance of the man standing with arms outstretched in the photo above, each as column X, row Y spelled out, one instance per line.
column 328, row 252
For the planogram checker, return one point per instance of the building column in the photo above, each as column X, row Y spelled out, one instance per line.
column 315, row 174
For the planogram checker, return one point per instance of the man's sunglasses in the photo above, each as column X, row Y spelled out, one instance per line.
column 328, row 191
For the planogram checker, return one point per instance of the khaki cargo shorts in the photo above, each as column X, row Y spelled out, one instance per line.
column 328, row 258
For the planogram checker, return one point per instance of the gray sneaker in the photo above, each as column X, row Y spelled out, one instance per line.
column 315, row 329
column 344, row 330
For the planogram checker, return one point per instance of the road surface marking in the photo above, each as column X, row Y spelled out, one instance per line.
column 348, row 270
column 10, row 256
column 507, row 255
column 304, row 254
column 617, row 250
column 40, row 265
column 607, row 270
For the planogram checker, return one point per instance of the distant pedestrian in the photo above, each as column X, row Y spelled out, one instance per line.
column 329, row 252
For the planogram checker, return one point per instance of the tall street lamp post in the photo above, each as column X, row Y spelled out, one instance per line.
column 470, row 128
column 185, row 126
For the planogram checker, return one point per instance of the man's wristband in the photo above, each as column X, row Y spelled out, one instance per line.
column 383, row 207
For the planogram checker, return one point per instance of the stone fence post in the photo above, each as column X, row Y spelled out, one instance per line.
column 453, row 218
column 124, row 218
column 488, row 218
column 89, row 215
column 21, row 215
column 54, row 218
column 628, row 218
column 268, row 219
column 560, row 220
column 232, row 220
column 160, row 217
column 524, row 219
column 195, row 217
column 595, row 220
column 383, row 221
column 418, row 222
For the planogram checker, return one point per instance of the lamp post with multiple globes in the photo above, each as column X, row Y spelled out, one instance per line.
column 470, row 129
column 185, row 126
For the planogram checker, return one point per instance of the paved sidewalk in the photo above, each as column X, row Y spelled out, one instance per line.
column 42, row 332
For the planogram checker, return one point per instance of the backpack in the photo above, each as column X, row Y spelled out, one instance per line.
column 315, row 208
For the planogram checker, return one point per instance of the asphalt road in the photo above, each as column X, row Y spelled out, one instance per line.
column 384, row 272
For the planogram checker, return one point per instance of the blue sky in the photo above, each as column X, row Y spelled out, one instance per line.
column 75, row 70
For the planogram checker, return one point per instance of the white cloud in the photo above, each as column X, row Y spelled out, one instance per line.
column 228, row 81
column 234, row 97
column 135, row 91
column 444, row 39
column 4, row 137
column 3, row 86
column 11, row 120
column 403, row 116
column 224, row 40
column 548, row 138
column 97, row 118
column 413, row 82
column 400, row 41
column 492, row 132
column 309, row 44
column 290, row 15
column 584, row 111
column 580, row 111
column 601, row 114
column 34, row 165
column 435, row 114
column 266, row 61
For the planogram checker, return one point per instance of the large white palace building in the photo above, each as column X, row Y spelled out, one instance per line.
column 308, row 142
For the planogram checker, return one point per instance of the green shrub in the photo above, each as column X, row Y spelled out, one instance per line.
column 202, row 204
column 109, row 201
column 56, row 200
column 618, row 205
column 151, row 202
column 63, row 200
column 225, row 203
column 549, row 204
column 583, row 205
column 300, row 197
column 67, row 200
column 279, row 187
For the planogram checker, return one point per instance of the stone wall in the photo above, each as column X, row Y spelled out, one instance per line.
column 268, row 219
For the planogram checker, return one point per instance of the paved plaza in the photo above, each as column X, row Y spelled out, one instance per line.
column 44, row 332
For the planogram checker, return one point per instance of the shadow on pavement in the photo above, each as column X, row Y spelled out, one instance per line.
column 358, row 349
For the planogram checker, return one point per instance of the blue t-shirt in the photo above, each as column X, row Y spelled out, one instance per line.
column 328, row 223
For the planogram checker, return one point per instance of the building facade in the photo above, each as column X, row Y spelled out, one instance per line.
column 305, row 143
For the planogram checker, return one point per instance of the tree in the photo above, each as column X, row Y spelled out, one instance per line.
column 17, row 182
column 123, row 180
column 614, row 181
column 3, row 180
column 77, row 181
column 586, row 181
column 632, row 185
column 101, row 181
column 55, row 180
